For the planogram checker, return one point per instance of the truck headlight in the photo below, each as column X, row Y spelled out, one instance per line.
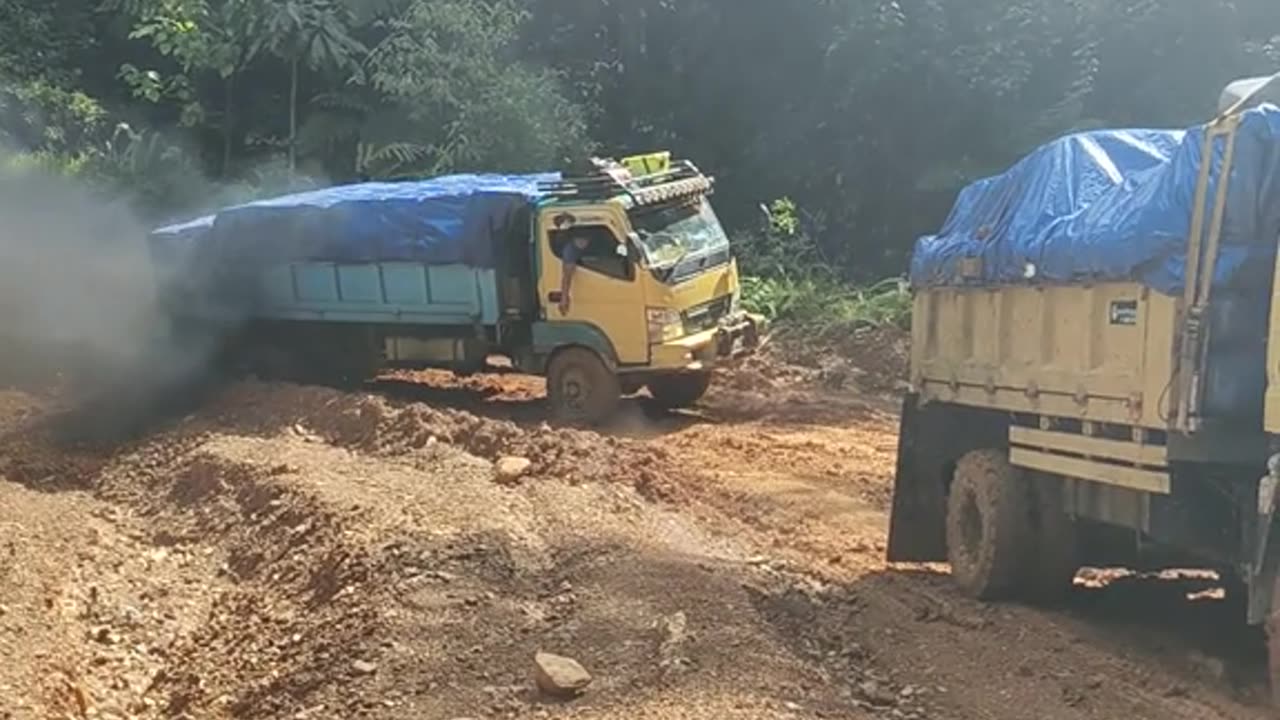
column 665, row 325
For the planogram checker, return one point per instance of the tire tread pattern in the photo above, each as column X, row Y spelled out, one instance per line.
column 989, row 571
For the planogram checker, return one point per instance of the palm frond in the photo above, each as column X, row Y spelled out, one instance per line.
column 386, row 160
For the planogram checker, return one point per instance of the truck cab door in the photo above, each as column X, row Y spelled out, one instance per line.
column 606, row 293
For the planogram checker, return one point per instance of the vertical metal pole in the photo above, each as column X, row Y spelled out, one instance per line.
column 1202, row 260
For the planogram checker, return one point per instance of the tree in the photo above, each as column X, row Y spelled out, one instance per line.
column 44, row 39
column 456, row 99
column 222, row 37
column 314, row 33
column 870, row 114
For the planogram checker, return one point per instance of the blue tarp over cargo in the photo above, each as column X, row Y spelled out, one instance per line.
column 441, row 221
column 1113, row 205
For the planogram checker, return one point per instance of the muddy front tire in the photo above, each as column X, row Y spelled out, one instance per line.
column 987, row 511
column 581, row 388
column 673, row 392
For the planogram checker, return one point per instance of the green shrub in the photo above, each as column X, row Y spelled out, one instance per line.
column 817, row 303
column 789, row 281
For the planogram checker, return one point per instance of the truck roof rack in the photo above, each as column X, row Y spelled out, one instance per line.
column 610, row 179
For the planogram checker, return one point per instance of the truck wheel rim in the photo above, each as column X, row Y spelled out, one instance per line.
column 575, row 389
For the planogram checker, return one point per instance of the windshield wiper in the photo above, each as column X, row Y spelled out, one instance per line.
column 682, row 250
column 684, row 253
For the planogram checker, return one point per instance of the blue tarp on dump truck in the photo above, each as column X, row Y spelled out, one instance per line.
column 1113, row 205
column 448, row 220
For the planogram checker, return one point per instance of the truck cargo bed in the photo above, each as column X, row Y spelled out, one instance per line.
column 387, row 293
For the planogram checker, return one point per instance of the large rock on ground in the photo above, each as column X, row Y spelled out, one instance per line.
column 509, row 470
column 560, row 676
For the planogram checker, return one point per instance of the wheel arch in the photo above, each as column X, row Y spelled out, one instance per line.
column 553, row 338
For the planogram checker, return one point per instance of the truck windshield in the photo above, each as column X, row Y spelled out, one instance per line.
column 681, row 241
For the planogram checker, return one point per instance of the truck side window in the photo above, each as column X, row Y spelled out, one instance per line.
column 601, row 255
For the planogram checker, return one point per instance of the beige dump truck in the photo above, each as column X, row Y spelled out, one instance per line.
column 1096, row 365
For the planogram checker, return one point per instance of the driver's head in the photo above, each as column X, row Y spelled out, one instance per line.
column 581, row 241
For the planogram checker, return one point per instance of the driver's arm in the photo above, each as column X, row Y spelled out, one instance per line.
column 571, row 257
column 566, row 282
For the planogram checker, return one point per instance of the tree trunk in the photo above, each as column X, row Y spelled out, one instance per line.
column 228, row 122
column 293, row 117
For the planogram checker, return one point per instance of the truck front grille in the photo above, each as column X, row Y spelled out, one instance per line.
column 706, row 316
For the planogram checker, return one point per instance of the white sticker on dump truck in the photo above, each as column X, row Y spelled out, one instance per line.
column 1124, row 312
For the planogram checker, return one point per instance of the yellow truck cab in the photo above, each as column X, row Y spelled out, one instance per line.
column 331, row 285
column 656, row 300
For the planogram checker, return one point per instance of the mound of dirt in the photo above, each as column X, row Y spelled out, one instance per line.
column 875, row 360
column 510, row 387
column 30, row 451
column 289, row 552
column 883, row 353
column 361, row 562
column 286, row 609
column 373, row 424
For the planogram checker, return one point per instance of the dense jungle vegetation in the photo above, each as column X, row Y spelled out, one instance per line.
column 839, row 130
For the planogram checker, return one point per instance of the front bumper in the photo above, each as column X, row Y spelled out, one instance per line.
column 734, row 338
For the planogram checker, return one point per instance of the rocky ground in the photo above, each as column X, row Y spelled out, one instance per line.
column 432, row 549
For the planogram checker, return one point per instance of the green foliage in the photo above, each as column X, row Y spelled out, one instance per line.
column 445, row 67
column 139, row 166
column 42, row 117
column 868, row 115
column 788, row 280
column 42, row 162
column 315, row 34
column 440, row 89
column 819, row 304
column 784, row 218
column 872, row 115
column 779, row 246
column 223, row 36
column 44, row 39
column 151, row 170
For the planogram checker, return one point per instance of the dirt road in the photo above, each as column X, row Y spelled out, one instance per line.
column 287, row 552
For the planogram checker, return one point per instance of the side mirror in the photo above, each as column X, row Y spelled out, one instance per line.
column 621, row 250
column 632, row 245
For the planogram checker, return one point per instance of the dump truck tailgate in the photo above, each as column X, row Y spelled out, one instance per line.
column 1101, row 352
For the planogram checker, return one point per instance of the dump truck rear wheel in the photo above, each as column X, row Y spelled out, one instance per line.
column 986, row 524
column 581, row 388
column 350, row 371
column 681, row 390
column 342, row 358
column 271, row 363
column 1050, row 568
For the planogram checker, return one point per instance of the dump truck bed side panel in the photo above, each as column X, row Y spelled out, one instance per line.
column 383, row 293
column 1101, row 352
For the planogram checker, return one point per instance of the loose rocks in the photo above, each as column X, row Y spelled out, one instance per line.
column 560, row 676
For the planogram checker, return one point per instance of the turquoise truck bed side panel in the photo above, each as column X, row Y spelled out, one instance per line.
column 392, row 293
